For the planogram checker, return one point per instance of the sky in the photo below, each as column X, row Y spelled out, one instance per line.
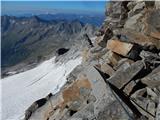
column 37, row 7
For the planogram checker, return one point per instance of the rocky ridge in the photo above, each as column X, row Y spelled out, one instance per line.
column 119, row 78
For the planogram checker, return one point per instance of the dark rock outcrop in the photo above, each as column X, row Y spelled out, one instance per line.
column 62, row 51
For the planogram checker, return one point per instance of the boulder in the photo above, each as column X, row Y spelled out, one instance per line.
column 153, row 96
column 107, row 69
column 74, row 74
column 139, row 93
column 153, row 79
column 131, row 5
column 132, row 22
column 121, row 62
column 111, row 58
column 128, row 88
column 132, row 36
column 75, row 105
column 151, row 108
column 158, row 111
column 100, row 90
column 125, row 49
column 72, row 93
column 103, row 39
column 113, row 111
column 149, row 4
column 150, row 57
column 86, row 113
column 153, row 25
column 96, row 49
column 114, row 9
column 138, row 7
column 157, row 4
column 143, row 102
column 125, row 73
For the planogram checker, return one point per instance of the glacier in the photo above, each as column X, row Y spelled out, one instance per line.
column 19, row 91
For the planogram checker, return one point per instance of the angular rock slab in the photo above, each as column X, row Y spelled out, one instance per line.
column 107, row 69
column 119, row 47
column 153, row 79
column 111, row 58
column 99, row 89
column 125, row 73
column 138, row 38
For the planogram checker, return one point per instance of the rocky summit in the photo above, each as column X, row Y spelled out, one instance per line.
column 119, row 78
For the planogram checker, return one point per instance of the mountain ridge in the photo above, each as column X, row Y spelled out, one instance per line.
column 25, row 40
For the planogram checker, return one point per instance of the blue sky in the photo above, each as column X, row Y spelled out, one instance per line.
column 36, row 7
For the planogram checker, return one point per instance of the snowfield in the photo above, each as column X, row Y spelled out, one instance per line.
column 21, row 90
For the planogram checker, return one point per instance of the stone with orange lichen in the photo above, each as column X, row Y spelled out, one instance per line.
column 72, row 93
column 119, row 47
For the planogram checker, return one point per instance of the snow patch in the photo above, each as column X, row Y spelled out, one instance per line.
column 21, row 90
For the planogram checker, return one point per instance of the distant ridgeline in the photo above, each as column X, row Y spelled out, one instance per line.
column 93, row 19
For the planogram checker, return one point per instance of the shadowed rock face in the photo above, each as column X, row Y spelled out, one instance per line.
column 61, row 51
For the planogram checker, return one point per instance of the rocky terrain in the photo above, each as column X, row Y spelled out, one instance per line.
column 28, row 41
column 119, row 78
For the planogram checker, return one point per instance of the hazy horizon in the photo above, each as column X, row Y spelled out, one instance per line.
column 52, row 7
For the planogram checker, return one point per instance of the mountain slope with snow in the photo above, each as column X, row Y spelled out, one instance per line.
column 21, row 90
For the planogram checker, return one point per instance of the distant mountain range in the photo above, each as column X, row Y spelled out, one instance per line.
column 28, row 39
column 94, row 19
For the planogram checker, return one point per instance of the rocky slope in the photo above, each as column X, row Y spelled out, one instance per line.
column 119, row 78
column 29, row 41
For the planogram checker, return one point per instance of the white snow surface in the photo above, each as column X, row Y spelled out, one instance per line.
column 21, row 90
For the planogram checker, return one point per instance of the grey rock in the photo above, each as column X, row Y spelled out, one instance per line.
column 158, row 111
column 154, row 24
column 85, row 92
column 132, row 22
column 125, row 74
column 149, row 4
column 151, row 108
column 139, row 93
column 157, row 4
column 138, row 7
column 114, row 111
column 100, row 90
column 131, row 5
column 153, row 79
column 85, row 113
column 73, row 75
column 96, row 49
column 75, row 105
column 153, row 96
column 108, row 35
column 130, row 13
